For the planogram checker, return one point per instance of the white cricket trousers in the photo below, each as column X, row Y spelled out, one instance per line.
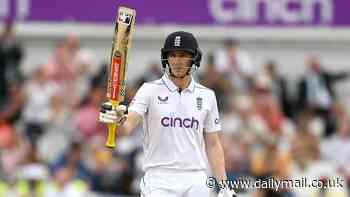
column 174, row 183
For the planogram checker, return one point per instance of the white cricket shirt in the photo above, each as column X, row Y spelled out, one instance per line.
column 173, row 124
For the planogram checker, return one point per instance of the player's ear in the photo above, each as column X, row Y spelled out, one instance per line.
column 197, row 57
column 164, row 57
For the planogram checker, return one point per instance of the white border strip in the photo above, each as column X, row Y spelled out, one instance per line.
column 105, row 31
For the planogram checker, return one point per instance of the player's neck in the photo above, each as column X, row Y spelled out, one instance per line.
column 182, row 83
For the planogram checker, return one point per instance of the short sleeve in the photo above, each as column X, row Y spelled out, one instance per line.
column 140, row 102
column 212, row 121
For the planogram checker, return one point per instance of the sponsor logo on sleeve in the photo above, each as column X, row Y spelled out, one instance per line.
column 216, row 121
column 163, row 100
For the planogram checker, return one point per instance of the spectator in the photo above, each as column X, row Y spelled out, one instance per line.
column 11, row 93
column 100, row 77
column 13, row 155
column 32, row 176
column 64, row 71
column 280, row 128
column 60, row 67
column 87, row 69
column 87, row 115
column 237, row 149
column 37, row 107
column 308, row 163
column 60, row 130
column 66, row 184
column 271, row 162
column 153, row 72
column 109, row 171
column 11, row 54
column 316, row 92
column 7, row 136
column 217, row 82
column 235, row 64
column 279, row 87
column 73, row 45
column 84, row 67
column 73, row 160
column 339, row 143
column 12, row 108
column 243, row 120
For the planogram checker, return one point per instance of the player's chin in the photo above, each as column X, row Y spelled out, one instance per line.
column 179, row 73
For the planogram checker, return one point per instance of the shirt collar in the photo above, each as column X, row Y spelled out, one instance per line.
column 172, row 87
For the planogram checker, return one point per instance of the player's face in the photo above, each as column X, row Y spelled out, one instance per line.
column 179, row 62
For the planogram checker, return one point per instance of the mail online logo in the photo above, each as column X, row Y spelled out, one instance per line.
column 174, row 122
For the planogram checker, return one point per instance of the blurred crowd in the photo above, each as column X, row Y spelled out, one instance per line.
column 51, row 143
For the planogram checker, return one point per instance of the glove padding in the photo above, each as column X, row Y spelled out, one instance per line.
column 109, row 114
column 227, row 193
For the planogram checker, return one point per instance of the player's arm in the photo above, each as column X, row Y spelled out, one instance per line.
column 133, row 119
column 127, row 122
column 214, row 150
column 215, row 155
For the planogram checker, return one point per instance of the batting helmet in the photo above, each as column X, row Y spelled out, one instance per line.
column 181, row 41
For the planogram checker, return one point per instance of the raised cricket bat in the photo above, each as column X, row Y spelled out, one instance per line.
column 124, row 27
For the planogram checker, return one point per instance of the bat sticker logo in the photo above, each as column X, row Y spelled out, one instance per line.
column 122, row 92
column 124, row 18
column 163, row 100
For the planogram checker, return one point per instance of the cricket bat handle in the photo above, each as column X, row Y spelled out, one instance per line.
column 112, row 130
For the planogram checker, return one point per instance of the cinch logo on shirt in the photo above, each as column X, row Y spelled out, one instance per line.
column 179, row 122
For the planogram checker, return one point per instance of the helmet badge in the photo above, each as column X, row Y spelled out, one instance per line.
column 177, row 41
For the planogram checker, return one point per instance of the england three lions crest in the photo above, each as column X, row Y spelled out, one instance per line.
column 199, row 103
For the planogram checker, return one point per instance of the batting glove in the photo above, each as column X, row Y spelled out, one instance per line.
column 109, row 114
column 227, row 193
